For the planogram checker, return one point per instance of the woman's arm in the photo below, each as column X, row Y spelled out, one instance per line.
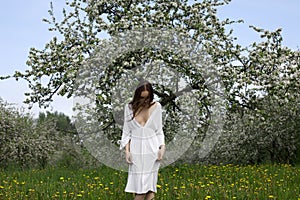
column 161, row 152
column 126, row 133
column 127, row 153
column 127, row 147
column 160, row 135
column 159, row 132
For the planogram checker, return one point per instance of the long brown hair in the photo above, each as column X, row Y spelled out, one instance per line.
column 138, row 102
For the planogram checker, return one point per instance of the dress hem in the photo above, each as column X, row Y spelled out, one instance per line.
column 131, row 191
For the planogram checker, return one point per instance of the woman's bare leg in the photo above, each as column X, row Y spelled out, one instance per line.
column 139, row 196
column 150, row 195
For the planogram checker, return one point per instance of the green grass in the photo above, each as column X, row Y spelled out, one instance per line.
column 175, row 182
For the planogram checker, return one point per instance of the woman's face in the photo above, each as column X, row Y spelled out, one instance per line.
column 145, row 92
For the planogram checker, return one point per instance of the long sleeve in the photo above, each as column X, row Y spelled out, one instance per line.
column 159, row 132
column 126, row 133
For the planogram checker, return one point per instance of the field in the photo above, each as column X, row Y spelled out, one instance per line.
column 186, row 182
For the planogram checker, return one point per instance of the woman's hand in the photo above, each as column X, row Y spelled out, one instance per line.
column 161, row 152
column 128, row 157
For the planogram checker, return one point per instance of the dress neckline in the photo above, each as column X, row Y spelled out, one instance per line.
column 149, row 116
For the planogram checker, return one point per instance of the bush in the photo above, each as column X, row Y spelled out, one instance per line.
column 23, row 142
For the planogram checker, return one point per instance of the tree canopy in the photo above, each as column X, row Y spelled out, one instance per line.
column 250, row 74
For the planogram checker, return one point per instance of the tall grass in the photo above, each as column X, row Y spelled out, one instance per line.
column 186, row 182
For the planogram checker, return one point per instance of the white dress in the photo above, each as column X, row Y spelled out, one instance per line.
column 144, row 145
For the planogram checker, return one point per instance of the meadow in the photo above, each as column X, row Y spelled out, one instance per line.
column 186, row 181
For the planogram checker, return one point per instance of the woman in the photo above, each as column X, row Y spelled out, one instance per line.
column 144, row 142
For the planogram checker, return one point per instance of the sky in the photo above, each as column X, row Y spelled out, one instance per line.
column 22, row 28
